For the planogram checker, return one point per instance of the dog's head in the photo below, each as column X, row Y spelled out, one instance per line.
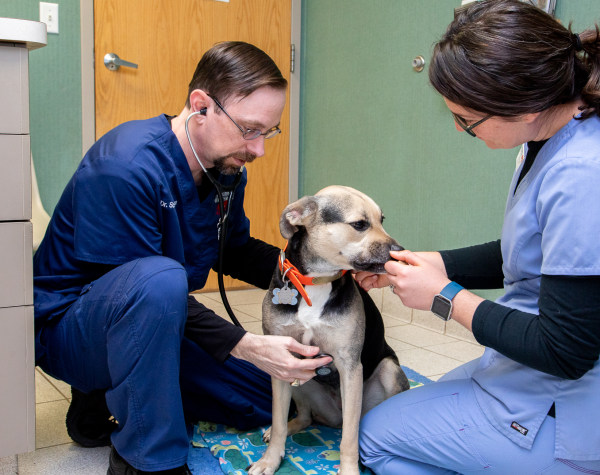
column 338, row 228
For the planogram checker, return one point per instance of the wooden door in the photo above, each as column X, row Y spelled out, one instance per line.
column 167, row 38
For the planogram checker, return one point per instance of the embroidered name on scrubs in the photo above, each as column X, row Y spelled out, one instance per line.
column 170, row 204
column 519, row 428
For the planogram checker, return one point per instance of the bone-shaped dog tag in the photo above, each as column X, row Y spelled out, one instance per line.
column 285, row 296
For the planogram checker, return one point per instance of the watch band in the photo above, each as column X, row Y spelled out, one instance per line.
column 442, row 302
column 451, row 290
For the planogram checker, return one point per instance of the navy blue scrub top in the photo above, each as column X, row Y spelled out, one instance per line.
column 132, row 196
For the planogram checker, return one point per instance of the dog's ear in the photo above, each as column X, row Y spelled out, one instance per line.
column 299, row 213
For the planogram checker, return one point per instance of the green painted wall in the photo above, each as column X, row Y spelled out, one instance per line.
column 369, row 121
column 55, row 97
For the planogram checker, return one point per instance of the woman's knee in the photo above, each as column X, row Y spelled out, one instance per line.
column 370, row 436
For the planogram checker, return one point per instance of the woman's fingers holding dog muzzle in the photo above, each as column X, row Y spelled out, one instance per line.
column 368, row 280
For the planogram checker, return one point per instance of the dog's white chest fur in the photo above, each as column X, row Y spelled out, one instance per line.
column 309, row 316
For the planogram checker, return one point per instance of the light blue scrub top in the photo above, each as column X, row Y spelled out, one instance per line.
column 551, row 226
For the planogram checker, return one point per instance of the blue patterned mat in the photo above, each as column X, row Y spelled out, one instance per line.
column 216, row 449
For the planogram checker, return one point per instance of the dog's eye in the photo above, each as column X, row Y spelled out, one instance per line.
column 361, row 225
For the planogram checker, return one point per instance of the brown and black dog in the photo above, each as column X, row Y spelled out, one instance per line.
column 337, row 230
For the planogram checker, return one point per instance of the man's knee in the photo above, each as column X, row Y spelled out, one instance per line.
column 159, row 285
column 161, row 273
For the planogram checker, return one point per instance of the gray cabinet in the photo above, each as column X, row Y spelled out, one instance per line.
column 17, row 358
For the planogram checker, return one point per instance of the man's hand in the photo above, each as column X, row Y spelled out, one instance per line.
column 273, row 354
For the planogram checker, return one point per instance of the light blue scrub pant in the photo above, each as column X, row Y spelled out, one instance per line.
column 439, row 428
column 125, row 334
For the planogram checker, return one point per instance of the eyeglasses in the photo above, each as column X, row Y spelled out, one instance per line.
column 466, row 127
column 248, row 134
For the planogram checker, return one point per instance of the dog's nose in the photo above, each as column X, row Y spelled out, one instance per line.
column 396, row 247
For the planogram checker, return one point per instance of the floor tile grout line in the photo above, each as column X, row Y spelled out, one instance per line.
column 41, row 373
column 445, row 356
column 61, row 444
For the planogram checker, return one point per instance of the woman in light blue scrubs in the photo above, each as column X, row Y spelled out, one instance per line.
column 510, row 75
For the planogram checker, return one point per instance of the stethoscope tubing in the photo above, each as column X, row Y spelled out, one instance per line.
column 223, row 220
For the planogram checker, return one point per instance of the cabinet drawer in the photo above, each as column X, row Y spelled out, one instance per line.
column 14, row 90
column 16, row 264
column 17, row 398
column 15, row 178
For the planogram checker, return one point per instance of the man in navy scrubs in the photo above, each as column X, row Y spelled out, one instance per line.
column 134, row 232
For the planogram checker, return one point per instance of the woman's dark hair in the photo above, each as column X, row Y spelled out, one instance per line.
column 235, row 68
column 508, row 58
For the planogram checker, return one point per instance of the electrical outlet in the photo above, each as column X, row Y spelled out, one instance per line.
column 49, row 16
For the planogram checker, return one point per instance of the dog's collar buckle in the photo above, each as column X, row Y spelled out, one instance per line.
column 326, row 279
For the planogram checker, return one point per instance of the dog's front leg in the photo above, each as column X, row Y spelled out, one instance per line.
column 351, row 387
column 269, row 462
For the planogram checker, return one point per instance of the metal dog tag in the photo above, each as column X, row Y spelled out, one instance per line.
column 285, row 296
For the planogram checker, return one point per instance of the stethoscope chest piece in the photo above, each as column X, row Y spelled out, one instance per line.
column 324, row 370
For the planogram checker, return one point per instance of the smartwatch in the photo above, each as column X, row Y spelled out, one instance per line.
column 442, row 302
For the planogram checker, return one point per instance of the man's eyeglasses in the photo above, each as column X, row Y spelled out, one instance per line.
column 248, row 134
column 466, row 127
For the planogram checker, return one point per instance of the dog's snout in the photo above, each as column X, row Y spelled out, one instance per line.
column 396, row 247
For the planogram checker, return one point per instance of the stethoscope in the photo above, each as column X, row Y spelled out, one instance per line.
column 222, row 231
column 223, row 214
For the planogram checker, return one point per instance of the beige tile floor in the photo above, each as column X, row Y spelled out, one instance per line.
column 421, row 341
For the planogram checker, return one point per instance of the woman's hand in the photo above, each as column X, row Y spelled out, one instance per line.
column 422, row 279
column 368, row 280
column 418, row 282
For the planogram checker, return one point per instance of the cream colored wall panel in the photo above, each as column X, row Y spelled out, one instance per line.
column 17, row 374
column 15, row 178
column 16, row 265
column 14, row 90
column 17, row 348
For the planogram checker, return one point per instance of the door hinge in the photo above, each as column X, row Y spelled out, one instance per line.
column 292, row 57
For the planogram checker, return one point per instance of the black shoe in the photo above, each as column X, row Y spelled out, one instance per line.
column 89, row 422
column 119, row 466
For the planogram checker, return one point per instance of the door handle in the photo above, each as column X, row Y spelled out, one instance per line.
column 113, row 62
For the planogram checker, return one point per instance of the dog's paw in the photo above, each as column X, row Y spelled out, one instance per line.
column 267, row 435
column 265, row 466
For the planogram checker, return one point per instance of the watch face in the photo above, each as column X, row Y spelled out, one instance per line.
column 441, row 307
